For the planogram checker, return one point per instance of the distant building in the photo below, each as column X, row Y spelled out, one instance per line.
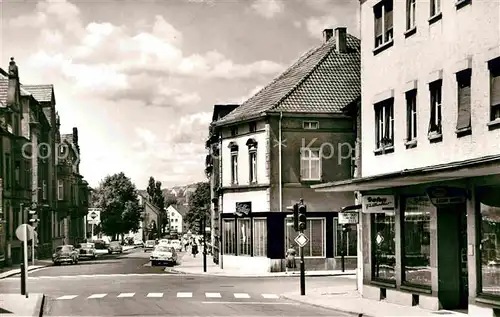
column 148, row 227
column 175, row 216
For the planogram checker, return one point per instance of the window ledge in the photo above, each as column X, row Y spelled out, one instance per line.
column 435, row 18
column 310, row 181
column 411, row 144
column 383, row 47
column 384, row 150
column 435, row 137
column 489, row 300
column 379, row 283
column 410, row 32
column 462, row 3
column 463, row 132
column 493, row 125
column 423, row 289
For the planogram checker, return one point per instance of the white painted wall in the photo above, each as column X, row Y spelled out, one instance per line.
column 175, row 218
column 471, row 30
column 259, row 200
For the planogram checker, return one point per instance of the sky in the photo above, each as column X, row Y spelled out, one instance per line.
column 140, row 78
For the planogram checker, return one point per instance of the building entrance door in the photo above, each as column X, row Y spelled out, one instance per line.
column 453, row 290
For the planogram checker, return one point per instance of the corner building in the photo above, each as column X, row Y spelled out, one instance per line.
column 430, row 183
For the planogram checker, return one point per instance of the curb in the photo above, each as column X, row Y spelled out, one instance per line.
column 39, row 307
column 353, row 313
column 15, row 272
column 257, row 275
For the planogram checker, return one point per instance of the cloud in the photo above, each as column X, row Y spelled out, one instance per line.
column 268, row 8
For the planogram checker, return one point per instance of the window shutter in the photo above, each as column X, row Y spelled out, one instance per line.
column 464, row 107
column 495, row 90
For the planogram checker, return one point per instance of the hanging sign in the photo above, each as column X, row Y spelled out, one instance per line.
column 348, row 218
column 378, row 204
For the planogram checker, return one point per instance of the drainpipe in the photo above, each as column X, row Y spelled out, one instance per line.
column 280, row 164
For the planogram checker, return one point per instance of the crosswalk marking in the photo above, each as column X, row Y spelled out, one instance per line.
column 184, row 294
column 97, row 296
column 270, row 296
column 241, row 295
column 155, row 295
column 68, row 297
column 126, row 295
column 213, row 295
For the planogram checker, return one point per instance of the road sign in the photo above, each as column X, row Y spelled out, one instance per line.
column 22, row 230
column 301, row 240
column 348, row 218
column 94, row 216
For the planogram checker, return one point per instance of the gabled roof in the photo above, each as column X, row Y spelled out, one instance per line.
column 182, row 210
column 42, row 93
column 221, row 111
column 321, row 81
column 146, row 201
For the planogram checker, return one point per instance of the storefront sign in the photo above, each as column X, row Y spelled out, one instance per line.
column 243, row 208
column 348, row 218
column 441, row 195
column 378, row 204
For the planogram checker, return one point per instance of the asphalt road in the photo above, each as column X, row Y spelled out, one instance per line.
column 125, row 285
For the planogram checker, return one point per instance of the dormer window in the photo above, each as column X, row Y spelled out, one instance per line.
column 252, row 160
column 234, row 131
column 310, row 125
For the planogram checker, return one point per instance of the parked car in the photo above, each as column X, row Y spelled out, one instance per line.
column 115, row 247
column 177, row 245
column 163, row 241
column 65, row 254
column 149, row 245
column 87, row 250
column 163, row 254
column 138, row 243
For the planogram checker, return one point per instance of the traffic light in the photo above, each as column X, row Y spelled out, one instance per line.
column 296, row 217
column 302, row 209
column 33, row 217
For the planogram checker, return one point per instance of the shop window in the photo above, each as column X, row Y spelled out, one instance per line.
column 244, row 236
column 315, row 232
column 416, row 247
column 260, row 237
column 383, row 246
column 229, row 236
column 489, row 205
column 346, row 235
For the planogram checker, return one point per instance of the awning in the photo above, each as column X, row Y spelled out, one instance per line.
column 484, row 166
column 351, row 208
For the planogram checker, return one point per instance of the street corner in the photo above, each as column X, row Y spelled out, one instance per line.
column 324, row 302
column 20, row 305
column 12, row 272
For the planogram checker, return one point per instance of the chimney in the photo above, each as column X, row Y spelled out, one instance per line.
column 341, row 39
column 327, row 34
column 75, row 136
column 13, row 86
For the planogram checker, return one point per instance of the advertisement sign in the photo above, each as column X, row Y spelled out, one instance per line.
column 442, row 195
column 94, row 216
column 348, row 218
column 378, row 204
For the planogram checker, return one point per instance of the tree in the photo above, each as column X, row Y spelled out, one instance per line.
column 199, row 204
column 156, row 198
column 171, row 200
column 121, row 212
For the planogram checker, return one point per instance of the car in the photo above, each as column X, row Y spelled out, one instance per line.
column 149, row 245
column 163, row 241
column 163, row 254
column 138, row 243
column 177, row 245
column 65, row 254
column 115, row 247
column 87, row 250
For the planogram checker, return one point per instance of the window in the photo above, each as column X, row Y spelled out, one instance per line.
column 435, row 117
column 228, row 232
column 383, row 23
column 310, row 125
column 17, row 171
column 345, row 239
column 234, row 168
column 411, row 6
column 253, row 166
column 495, row 89
column 464, row 99
column 310, row 164
column 384, row 119
column 252, row 126
column 383, row 246
column 435, row 7
column 315, row 232
column 244, row 236
column 411, row 115
column 259, row 237
column 489, row 206
column 416, row 247
column 234, row 131
column 60, row 189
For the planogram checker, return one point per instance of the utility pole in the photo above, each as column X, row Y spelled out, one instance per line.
column 203, row 222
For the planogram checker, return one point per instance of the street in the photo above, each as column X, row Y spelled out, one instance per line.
column 125, row 285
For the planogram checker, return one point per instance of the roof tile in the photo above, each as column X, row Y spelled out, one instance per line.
column 42, row 93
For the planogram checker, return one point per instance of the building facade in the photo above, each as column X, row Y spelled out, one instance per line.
column 175, row 219
column 290, row 135
column 148, row 228
column 430, row 114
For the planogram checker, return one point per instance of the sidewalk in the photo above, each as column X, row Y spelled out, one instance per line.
column 18, row 305
column 347, row 299
column 194, row 266
column 13, row 270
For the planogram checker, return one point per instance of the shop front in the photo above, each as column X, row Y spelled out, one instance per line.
column 431, row 238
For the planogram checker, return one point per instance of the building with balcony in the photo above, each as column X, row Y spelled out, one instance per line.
column 290, row 135
column 430, row 168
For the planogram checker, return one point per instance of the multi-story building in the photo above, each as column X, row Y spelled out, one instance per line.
column 148, row 227
column 212, row 170
column 430, row 159
column 290, row 135
column 175, row 218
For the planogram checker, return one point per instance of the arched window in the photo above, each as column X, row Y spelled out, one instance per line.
column 234, row 162
column 252, row 160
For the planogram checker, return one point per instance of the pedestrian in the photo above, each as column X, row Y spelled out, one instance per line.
column 290, row 258
column 194, row 249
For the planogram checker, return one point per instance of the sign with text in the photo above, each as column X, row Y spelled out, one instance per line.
column 348, row 218
column 94, row 216
column 378, row 204
column 243, row 208
column 441, row 195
